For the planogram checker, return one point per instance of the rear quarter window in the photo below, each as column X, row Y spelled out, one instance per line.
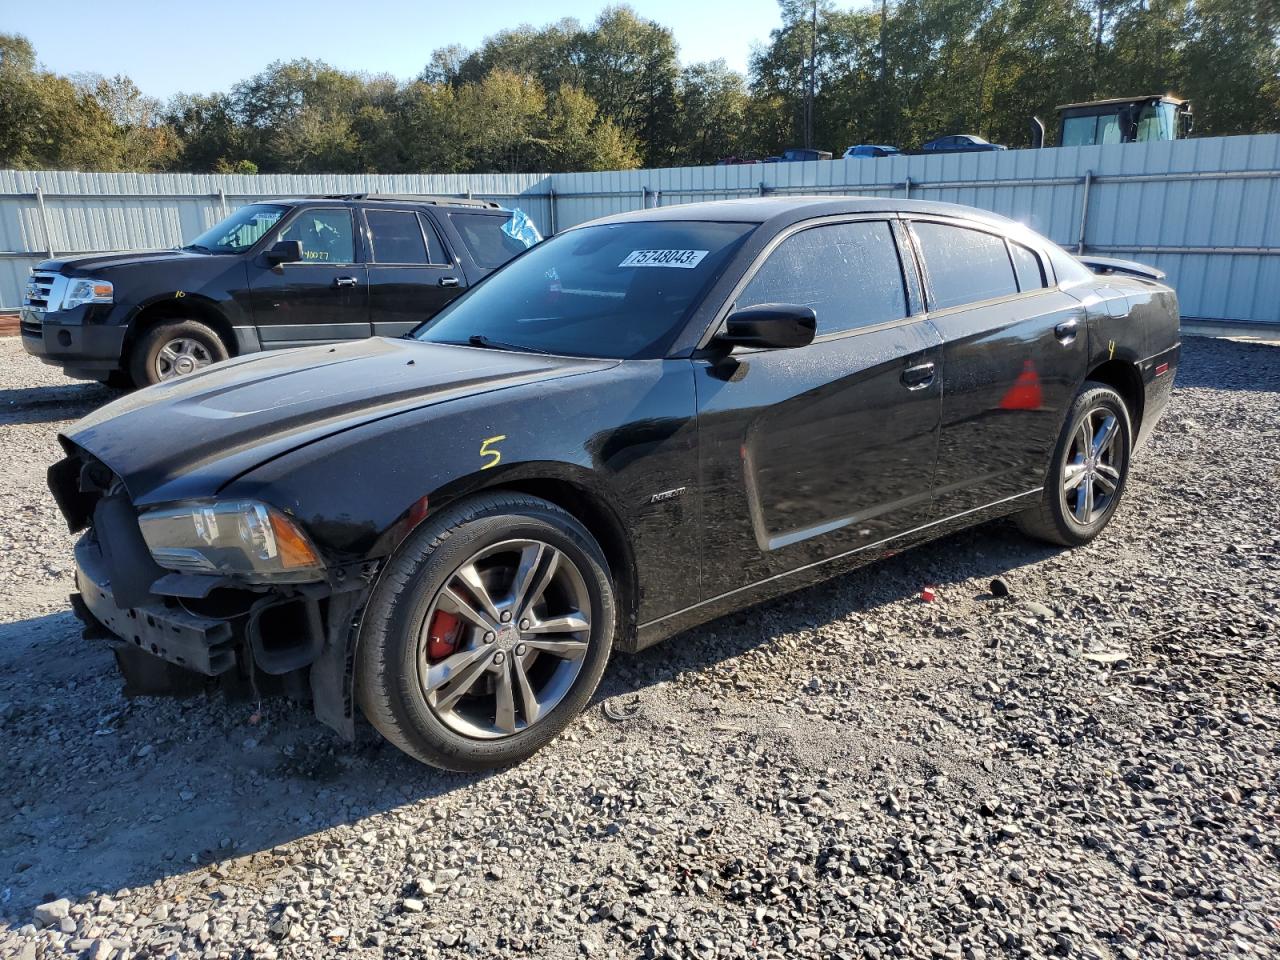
column 483, row 237
column 1027, row 265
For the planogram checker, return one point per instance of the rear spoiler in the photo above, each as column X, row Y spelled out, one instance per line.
column 1112, row 265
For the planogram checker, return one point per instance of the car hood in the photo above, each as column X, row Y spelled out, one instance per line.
column 92, row 263
column 193, row 435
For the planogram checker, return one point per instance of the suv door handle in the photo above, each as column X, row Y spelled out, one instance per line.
column 1066, row 330
column 448, row 281
column 918, row 377
column 344, row 281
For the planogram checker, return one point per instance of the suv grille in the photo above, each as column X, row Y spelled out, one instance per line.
column 39, row 291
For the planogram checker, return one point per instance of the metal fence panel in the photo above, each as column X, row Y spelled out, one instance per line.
column 1207, row 211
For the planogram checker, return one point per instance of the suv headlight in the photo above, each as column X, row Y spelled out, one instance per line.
column 81, row 290
column 239, row 538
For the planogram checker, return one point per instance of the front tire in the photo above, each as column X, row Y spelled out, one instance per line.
column 488, row 632
column 1088, row 472
column 174, row 349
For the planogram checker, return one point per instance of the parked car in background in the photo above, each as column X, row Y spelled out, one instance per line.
column 961, row 143
column 274, row 274
column 802, row 153
column 870, row 151
column 644, row 423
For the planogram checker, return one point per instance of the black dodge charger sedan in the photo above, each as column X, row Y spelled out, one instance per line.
column 638, row 425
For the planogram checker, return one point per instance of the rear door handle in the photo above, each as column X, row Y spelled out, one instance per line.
column 918, row 377
column 1067, row 329
column 344, row 281
column 448, row 281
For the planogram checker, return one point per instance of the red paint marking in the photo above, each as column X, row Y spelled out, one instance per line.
column 1162, row 368
column 1025, row 394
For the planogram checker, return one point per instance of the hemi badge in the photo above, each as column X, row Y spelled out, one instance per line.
column 666, row 495
column 1162, row 368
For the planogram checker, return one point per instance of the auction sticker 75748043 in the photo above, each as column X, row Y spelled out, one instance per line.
column 682, row 259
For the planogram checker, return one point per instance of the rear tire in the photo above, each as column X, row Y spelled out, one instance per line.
column 530, row 640
column 1088, row 471
column 172, row 349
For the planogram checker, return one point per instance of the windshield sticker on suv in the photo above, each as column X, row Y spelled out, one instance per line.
column 681, row 259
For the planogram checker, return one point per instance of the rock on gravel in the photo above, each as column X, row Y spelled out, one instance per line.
column 1085, row 764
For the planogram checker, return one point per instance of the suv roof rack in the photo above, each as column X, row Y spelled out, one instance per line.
column 420, row 198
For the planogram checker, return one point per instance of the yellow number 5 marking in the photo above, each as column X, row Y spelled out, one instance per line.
column 495, row 454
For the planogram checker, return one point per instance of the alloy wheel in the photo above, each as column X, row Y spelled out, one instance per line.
column 181, row 356
column 504, row 639
column 1091, row 471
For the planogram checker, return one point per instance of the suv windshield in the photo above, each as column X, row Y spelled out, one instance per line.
column 240, row 231
column 616, row 290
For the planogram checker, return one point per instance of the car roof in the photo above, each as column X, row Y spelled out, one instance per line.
column 783, row 210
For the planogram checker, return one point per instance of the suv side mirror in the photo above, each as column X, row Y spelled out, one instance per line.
column 779, row 325
column 285, row 251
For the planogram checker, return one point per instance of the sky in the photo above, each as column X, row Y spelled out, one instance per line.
column 167, row 46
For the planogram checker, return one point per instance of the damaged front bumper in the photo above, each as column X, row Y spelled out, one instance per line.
column 175, row 633
column 191, row 633
column 203, row 645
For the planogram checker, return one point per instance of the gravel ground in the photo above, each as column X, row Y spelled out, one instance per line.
column 1087, row 767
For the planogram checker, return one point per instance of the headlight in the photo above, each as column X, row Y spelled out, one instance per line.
column 240, row 538
column 87, row 291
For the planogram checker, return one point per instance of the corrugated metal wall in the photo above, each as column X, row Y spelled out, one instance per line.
column 1205, row 210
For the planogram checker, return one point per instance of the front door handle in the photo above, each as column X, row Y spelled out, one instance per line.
column 1067, row 329
column 344, row 281
column 918, row 377
column 448, row 281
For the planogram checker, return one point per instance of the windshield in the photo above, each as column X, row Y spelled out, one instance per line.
column 619, row 290
column 240, row 231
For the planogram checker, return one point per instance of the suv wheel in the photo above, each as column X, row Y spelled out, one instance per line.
column 487, row 633
column 173, row 349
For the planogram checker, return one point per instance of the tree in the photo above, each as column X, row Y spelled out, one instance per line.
column 46, row 120
column 712, row 113
column 1233, row 66
column 630, row 70
column 576, row 137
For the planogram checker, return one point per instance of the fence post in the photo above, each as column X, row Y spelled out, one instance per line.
column 657, row 198
column 762, row 188
column 906, row 188
column 222, row 202
column 1084, row 210
column 44, row 222
column 551, row 214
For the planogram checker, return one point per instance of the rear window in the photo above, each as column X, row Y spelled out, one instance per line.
column 483, row 237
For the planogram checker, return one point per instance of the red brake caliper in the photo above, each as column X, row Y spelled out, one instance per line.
column 442, row 636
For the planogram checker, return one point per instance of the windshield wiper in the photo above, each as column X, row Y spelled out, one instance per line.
column 480, row 340
column 197, row 246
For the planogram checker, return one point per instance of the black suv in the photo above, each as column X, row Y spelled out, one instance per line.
column 274, row 274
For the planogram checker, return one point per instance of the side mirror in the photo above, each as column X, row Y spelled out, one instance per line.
column 780, row 325
column 285, row 251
